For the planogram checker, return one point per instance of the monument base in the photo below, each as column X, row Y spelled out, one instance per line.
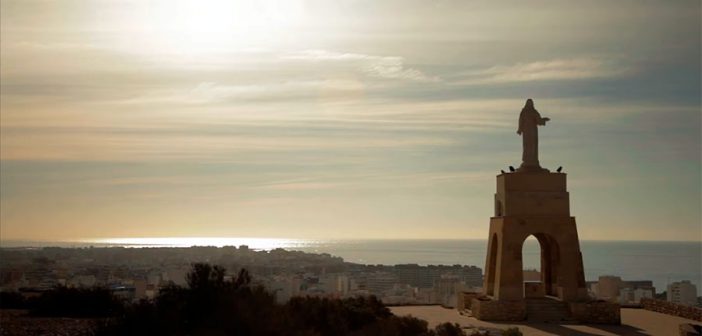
column 487, row 309
column 586, row 312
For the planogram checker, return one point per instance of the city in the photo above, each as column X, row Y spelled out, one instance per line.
column 139, row 273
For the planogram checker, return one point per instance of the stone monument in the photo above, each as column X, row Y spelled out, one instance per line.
column 534, row 202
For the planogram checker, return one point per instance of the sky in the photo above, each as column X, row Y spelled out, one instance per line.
column 342, row 119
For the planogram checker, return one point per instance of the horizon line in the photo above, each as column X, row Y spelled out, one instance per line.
column 124, row 240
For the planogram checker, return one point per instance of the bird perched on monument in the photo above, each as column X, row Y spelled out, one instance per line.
column 511, row 169
column 559, row 169
column 502, row 171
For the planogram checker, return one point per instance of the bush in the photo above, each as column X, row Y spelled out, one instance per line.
column 480, row 333
column 12, row 300
column 76, row 302
column 512, row 332
column 448, row 329
column 334, row 316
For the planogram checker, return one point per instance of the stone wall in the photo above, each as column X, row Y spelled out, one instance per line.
column 665, row 307
column 498, row 310
column 596, row 312
column 466, row 299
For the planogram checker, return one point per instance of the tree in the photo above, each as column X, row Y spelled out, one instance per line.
column 211, row 305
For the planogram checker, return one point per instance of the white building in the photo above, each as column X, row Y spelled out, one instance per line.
column 682, row 292
column 343, row 285
column 400, row 294
column 634, row 296
column 641, row 293
column 426, row 296
column 329, row 283
column 608, row 287
column 284, row 287
column 379, row 282
column 82, row 281
column 447, row 289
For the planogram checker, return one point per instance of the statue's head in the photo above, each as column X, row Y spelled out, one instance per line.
column 529, row 103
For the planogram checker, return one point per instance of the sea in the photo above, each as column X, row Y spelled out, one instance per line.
column 662, row 262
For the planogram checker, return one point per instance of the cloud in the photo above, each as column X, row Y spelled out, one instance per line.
column 196, row 134
column 299, row 186
column 389, row 67
column 214, row 92
column 129, row 146
column 557, row 69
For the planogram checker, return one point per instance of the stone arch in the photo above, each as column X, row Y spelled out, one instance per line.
column 550, row 258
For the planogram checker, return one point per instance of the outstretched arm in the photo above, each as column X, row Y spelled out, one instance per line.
column 537, row 118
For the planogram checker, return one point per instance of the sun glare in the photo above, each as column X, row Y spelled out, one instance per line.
column 206, row 25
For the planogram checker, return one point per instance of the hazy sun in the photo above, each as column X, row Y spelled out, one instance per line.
column 191, row 25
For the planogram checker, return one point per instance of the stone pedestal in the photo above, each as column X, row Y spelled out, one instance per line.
column 536, row 203
column 502, row 310
column 533, row 204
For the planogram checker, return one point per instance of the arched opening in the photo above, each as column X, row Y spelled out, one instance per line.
column 540, row 260
column 492, row 266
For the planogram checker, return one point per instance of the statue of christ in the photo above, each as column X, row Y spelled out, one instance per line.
column 529, row 120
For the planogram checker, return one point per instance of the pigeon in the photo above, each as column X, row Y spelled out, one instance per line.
column 559, row 169
column 511, row 169
column 502, row 171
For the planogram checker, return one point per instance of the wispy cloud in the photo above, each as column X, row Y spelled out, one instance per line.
column 299, row 186
column 245, row 129
column 557, row 69
column 355, row 181
column 214, row 93
column 389, row 67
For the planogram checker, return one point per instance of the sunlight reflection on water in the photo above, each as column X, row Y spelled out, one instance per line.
column 252, row 243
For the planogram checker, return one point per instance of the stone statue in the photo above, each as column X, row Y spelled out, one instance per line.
column 529, row 119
